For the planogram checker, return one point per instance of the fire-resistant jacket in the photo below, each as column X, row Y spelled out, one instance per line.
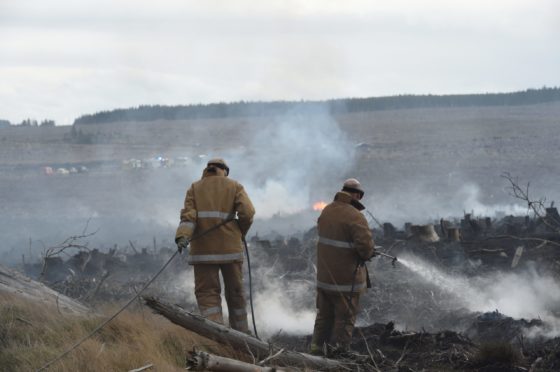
column 344, row 242
column 209, row 201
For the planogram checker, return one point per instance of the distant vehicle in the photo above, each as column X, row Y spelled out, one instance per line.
column 157, row 162
column 164, row 162
column 47, row 171
column 132, row 164
column 62, row 171
column 182, row 161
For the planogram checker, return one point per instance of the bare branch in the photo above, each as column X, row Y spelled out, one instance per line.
column 402, row 354
column 72, row 242
column 537, row 206
column 262, row 362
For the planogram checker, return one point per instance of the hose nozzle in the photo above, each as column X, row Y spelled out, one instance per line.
column 393, row 258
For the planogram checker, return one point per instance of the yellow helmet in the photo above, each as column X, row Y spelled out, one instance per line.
column 353, row 185
column 218, row 163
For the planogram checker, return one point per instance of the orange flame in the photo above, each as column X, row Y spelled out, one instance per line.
column 319, row 206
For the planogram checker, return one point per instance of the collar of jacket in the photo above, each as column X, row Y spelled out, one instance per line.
column 344, row 197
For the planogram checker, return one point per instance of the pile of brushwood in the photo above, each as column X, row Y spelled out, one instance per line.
column 494, row 342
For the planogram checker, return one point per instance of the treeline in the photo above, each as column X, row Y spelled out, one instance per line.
column 28, row 123
column 335, row 106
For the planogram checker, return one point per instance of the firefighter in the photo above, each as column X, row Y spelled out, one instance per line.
column 345, row 242
column 212, row 200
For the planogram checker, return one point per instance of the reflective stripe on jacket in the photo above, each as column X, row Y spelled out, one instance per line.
column 344, row 240
column 208, row 202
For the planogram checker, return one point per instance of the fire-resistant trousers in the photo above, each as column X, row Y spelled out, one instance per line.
column 208, row 293
column 336, row 315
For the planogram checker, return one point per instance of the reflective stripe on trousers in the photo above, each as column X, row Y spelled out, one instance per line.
column 210, row 310
column 335, row 243
column 215, row 257
column 341, row 288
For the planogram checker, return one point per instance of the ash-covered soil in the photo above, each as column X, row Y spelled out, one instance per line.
column 473, row 304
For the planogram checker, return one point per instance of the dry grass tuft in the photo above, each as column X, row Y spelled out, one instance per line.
column 32, row 334
column 497, row 353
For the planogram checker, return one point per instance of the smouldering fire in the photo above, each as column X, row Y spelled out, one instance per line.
column 319, row 206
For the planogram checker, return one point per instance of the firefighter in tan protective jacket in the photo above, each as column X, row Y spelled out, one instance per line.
column 345, row 242
column 212, row 200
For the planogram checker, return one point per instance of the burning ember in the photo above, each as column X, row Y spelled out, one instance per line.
column 319, row 206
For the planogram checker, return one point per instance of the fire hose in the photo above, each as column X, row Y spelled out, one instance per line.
column 250, row 288
column 104, row 323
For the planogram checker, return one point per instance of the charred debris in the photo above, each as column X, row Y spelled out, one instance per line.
column 405, row 325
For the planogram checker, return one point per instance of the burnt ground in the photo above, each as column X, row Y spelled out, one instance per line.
column 408, row 321
column 410, row 324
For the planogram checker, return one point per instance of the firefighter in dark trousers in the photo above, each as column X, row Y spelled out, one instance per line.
column 345, row 242
column 213, row 199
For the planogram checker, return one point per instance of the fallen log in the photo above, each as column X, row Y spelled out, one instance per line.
column 238, row 340
column 202, row 361
column 15, row 283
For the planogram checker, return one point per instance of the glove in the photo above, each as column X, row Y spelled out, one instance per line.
column 182, row 243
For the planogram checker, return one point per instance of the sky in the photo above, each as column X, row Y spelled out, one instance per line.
column 60, row 59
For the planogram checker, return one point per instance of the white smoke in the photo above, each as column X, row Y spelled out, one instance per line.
column 413, row 203
column 291, row 159
column 526, row 295
column 277, row 308
column 276, row 198
column 181, row 287
column 280, row 305
column 469, row 198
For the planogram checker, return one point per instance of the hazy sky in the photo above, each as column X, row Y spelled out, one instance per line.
column 60, row 59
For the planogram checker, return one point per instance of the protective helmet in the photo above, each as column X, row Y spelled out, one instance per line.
column 353, row 185
column 218, row 163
